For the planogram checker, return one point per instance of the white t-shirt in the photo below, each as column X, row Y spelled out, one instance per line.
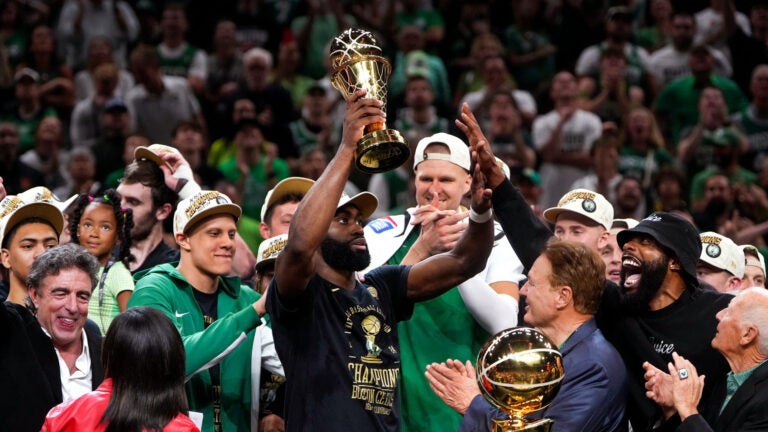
column 667, row 64
column 710, row 22
column 199, row 66
column 577, row 136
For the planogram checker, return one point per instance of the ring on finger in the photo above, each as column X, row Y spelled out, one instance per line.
column 682, row 373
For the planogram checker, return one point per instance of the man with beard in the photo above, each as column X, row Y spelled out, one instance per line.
column 659, row 308
column 630, row 199
column 337, row 336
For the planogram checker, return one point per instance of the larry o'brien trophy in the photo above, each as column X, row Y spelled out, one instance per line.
column 519, row 371
column 357, row 64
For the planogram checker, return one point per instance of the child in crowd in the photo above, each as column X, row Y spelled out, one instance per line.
column 100, row 224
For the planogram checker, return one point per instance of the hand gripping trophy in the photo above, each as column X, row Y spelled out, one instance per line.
column 519, row 372
column 358, row 64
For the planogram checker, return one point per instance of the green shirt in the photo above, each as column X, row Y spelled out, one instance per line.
column 439, row 329
column 699, row 180
column 103, row 307
column 256, row 185
column 678, row 103
column 734, row 381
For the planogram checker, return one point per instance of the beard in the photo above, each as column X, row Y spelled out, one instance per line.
column 651, row 278
column 340, row 256
column 143, row 227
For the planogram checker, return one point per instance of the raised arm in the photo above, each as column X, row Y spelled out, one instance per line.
column 438, row 274
column 525, row 232
column 296, row 263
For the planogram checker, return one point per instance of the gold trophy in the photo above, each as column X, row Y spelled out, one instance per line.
column 519, row 371
column 358, row 64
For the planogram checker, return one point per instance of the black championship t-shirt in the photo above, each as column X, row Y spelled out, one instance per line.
column 341, row 354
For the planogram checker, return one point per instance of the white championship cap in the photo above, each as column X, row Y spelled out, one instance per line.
column 459, row 151
column 290, row 185
column 584, row 202
column 201, row 205
column 750, row 260
column 269, row 249
column 722, row 253
column 37, row 202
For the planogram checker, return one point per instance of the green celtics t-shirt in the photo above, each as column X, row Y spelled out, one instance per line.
column 439, row 329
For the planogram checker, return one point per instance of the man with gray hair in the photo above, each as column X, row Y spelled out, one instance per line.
column 742, row 338
column 52, row 354
column 274, row 106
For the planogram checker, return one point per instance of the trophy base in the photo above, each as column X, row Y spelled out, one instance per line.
column 543, row 425
column 380, row 151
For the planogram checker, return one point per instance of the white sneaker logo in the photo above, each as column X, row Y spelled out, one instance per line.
column 179, row 315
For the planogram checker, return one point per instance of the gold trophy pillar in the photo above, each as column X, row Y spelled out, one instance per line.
column 358, row 65
column 519, row 371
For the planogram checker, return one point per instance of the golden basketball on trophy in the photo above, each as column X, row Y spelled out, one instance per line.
column 358, row 65
column 519, row 371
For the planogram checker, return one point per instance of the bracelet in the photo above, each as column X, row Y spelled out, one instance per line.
column 480, row 217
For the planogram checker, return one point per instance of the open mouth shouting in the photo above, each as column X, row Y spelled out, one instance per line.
column 631, row 272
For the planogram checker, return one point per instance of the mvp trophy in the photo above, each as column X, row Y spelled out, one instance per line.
column 358, row 65
column 519, row 372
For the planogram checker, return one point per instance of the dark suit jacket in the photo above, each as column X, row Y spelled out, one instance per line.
column 29, row 369
column 746, row 411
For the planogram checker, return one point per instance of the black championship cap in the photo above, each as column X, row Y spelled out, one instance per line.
column 674, row 233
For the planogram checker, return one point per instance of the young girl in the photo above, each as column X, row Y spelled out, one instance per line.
column 99, row 224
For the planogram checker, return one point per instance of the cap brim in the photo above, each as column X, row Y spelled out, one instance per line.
column 45, row 211
column 263, row 263
column 624, row 236
column 221, row 209
column 144, row 153
column 290, row 185
column 365, row 202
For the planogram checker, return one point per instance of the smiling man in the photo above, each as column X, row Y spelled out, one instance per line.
column 337, row 336
column 214, row 313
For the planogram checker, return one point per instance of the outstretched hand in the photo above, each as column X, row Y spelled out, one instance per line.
column 480, row 148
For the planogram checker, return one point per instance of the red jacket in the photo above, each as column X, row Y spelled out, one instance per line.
column 84, row 414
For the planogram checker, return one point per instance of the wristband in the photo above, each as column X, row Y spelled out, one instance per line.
column 480, row 217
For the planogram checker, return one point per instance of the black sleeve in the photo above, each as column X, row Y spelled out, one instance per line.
column 526, row 233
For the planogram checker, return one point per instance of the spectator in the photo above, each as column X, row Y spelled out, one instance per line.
column 748, row 51
column 323, row 21
column 740, row 406
column 177, row 57
column 274, row 108
column 563, row 290
column 711, row 28
column 27, row 109
column 669, row 190
column 256, row 168
column 618, row 32
column 82, row 21
column 486, row 303
column 225, row 70
column 604, row 176
column 530, row 51
column 411, row 59
column 672, row 61
column 188, row 138
column 215, row 314
column 612, row 96
column 101, row 226
column 287, row 71
column 13, row 31
column 81, row 171
column 56, row 86
column 721, row 263
column 643, row 151
column 100, row 52
column 132, row 142
column 630, row 199
column 144, row 386
column 496, row 78
column 109, row 147
column 414, row 12
column 280, row 205
column 224, row 148
column 483, row 46
column 753, row 119
column 158, row 102
column 563, row 138
column 17, row 176
column 677, row 102
column 315, row 126
column 85, row 128
column 473, row 23
column 611, row 253
column 46, row 157
column 658, row 26
column 754, row 267
column 510, row 138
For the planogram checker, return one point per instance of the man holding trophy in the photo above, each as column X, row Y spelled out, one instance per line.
column 337, row 337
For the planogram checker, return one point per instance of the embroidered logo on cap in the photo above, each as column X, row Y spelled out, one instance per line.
column 713, row 250
column 589, row 205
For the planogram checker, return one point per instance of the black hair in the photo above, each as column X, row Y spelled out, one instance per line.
column 12, row 232
column 287, row 198
column 123, row 219
column 144, row 356
column 150, row 175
